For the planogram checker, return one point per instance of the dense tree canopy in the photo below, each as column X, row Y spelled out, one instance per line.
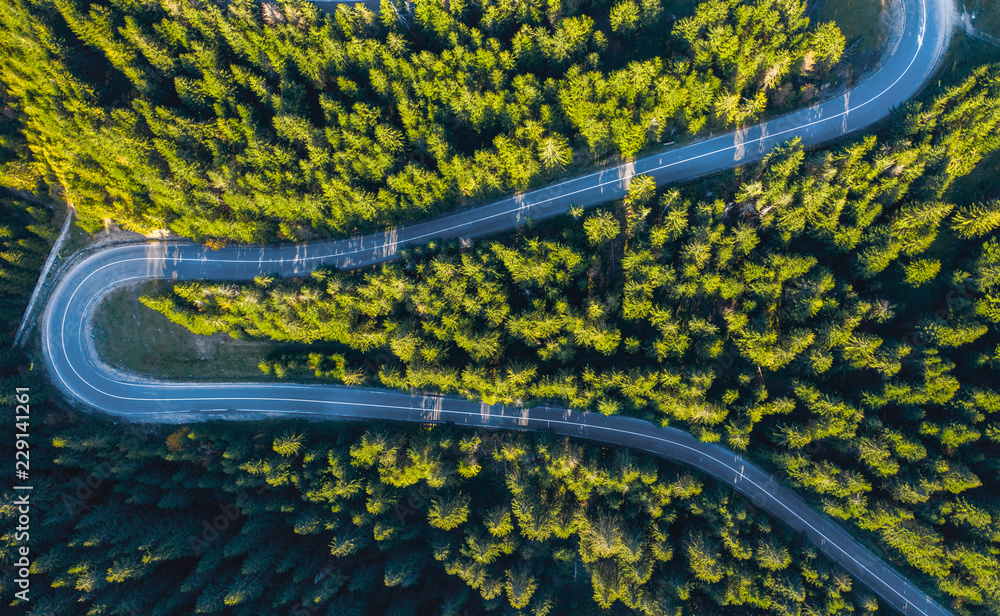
column 306, row 519
column 24, row 229
column 255, row 121
column 829, row 313
column 832, row 313
column 25, row 223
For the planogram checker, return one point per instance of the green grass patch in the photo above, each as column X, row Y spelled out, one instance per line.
column 861, row 23
column 131, row 337
column 77, row 240
column 965, row 55
column 985, row 15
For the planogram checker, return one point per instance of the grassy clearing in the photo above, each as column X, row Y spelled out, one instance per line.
column 985, row 15
column 861, row 23
column 77, row 240
column 134, row 338
column 965, row 54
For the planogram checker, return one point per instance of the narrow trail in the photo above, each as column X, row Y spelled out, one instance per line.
column 76, row 369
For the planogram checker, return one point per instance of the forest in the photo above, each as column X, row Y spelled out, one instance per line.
column 829, row 313
column 343, row 520
column 25, row 222
column 261, row 121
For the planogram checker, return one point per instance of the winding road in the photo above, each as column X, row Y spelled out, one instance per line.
column 74, row 366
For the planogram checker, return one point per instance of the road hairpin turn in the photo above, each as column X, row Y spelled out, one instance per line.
column 74, row 366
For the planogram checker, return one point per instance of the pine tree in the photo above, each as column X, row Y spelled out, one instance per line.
column 977, row 221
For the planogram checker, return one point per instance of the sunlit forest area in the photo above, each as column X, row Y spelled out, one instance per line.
column 828, row 313
column 831, row 314
column 26, row 228
column 256, row 121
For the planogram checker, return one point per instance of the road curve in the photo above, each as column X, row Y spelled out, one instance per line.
column 74, row 366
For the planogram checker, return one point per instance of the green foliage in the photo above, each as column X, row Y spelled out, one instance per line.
column 977, row 221
column 25, row 228
column 780, row 318
column 922, row 271
column 450, row 513
column 288, row 444
column 625, row 17
column 166, row 525
column 256, row 121
column 601, row 228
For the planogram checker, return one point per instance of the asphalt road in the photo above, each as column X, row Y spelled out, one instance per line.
column 74, row 366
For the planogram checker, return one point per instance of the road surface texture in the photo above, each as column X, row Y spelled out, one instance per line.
column 74, row 366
